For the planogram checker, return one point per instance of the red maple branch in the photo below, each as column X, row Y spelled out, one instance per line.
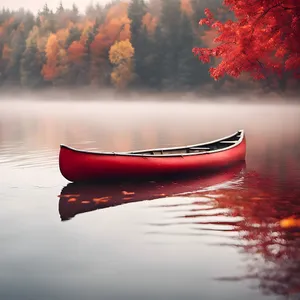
column 263, row 39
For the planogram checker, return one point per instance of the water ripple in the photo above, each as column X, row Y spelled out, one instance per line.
column 43, row 158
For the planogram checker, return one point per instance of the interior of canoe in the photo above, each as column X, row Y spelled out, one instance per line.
column 207, row 147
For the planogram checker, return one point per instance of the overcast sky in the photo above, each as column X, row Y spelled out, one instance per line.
column 35, row 5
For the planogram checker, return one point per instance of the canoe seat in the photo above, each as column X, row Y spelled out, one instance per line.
column 199, row 148
column 228, row 142
column 157, row 152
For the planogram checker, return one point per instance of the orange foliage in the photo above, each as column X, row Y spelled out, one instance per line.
column 61, row 36
column 117, row 10
column 56, row 55
column 52, row 47
column 49, row 70
column 76, row 52
column 99, row 45
column 186, row 7
column 107, row 35
column 150, row 22
column 6, row 52
column 117, row 18
column 85, row 28
column 115, row 27
column 5, row 24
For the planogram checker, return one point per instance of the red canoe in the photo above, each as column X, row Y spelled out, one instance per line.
column 78, row 165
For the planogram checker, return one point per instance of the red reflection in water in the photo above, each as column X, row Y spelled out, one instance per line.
column 78, row 198
column 259, row 207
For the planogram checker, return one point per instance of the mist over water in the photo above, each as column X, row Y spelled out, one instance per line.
column 202, row 238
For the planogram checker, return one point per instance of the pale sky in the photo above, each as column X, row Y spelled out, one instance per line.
column 35, row 5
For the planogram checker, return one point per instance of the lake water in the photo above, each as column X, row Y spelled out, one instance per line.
column 217, row 237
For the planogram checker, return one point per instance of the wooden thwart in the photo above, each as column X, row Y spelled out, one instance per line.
column 227, row 142
column 199, row 148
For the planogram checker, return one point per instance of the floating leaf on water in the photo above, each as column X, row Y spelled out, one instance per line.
column 72, row 199
column 290, row 222
column 159, row 195
column 102, row 199
column 68, row 196
column 128, row 193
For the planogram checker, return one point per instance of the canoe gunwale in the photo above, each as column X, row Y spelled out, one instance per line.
column 145, row 153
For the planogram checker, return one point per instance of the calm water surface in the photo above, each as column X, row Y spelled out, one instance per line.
column 208, row 238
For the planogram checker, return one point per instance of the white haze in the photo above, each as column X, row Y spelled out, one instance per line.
column 34, row 5
column 132, row 105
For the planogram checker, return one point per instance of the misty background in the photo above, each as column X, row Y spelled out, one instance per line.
column 118, row 45
column 35, row 5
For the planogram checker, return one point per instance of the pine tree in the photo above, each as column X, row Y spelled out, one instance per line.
column 17, row 48
column 156, row 59
column 74, row 35
column 31, row 64
column 170, row 27
column 136, row 11
column 186, row 59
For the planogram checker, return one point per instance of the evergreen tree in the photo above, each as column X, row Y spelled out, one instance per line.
column 31, row 64
column 46, row 11
column 17, row 46
column 156, row 59
column 74, row 13
column 136, row 11
column 186, row 59
column 74, row 35
column 60, row 9
column 170, row 18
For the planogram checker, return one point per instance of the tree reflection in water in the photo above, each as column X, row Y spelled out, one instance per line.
column 265, row 232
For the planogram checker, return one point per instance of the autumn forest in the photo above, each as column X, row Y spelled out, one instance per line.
column 124, row 44
column 121, row 44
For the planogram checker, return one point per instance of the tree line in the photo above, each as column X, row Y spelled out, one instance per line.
column 134, row 44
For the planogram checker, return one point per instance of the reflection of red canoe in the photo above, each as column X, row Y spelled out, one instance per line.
column 78, row 198
column 77, row 165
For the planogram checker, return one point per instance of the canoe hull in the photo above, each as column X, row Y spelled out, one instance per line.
column 88, row 166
